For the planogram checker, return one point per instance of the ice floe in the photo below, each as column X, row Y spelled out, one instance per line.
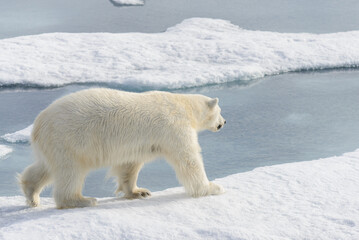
column 305, row 200
column 196, row 52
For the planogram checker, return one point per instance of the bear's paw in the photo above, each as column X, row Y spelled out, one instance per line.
column 215, row 189
column 138, row 193
column 75, row 203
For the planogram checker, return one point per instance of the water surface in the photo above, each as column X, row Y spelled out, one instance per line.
column 279, row 119
column 18, row 17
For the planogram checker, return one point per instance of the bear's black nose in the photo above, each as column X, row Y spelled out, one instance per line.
column 225, row 121
column 219, row 126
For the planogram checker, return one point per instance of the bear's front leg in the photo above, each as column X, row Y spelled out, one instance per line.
column 190, row 172
column 127, row 175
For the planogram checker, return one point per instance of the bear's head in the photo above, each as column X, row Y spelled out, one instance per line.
column 213, row 120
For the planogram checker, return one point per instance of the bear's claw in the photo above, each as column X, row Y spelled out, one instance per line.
column 138, row 193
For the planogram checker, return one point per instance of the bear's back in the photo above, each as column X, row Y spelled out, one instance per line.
column 104, row 112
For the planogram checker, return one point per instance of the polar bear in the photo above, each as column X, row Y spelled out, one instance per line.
column 101, row 127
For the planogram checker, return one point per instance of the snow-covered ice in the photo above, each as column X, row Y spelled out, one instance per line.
column 4, row 150
column 304, row 200
column 195, row 52
column 21, row 136
column 127, row 2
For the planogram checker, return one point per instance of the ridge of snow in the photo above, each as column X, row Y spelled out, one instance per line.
column 21, row 136
column 196, row 52
column 305, row 200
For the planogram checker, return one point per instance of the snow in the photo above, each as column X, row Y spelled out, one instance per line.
column 305, row 200
column 4, row 150
column 196, row 52
column 127, row 2
column 21, row 136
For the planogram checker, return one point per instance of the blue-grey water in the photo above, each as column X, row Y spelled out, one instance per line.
column 284, row 118
column 278, row 119
column 19, row 17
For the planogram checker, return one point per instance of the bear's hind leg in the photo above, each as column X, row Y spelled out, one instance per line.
column 68, row 189
column 32, row 181
column 127, row 175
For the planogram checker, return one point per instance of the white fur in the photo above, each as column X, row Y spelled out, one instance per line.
column 122, row 130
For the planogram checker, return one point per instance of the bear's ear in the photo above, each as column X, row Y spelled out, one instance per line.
column 213, row 102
